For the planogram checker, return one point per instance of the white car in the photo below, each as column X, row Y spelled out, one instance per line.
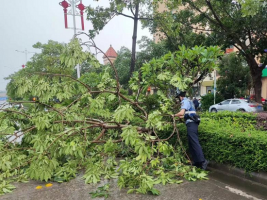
column 237, row 105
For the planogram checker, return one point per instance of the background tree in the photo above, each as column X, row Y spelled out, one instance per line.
column 174, row 29
column 122, row 64
column 251, row 7
column 235, row 79
column 49, row 56
column 208, row 100
column 137, row 11
column 148, row 50
column 40, row 62
column 225, row 22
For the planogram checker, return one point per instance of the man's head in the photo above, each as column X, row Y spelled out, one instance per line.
column 180, row 95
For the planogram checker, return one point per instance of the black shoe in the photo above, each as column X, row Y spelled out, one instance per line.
column 204, row 165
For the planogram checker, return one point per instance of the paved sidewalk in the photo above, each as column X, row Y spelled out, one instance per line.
column 211, row 189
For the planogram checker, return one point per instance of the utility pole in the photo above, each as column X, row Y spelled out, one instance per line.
column 214, row 86
column 72, row 3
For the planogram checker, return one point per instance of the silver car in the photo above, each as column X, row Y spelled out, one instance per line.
column 237, row 105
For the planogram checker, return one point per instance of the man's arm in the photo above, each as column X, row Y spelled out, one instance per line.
column 180, row 114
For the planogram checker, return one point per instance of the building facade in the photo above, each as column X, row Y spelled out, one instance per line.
column 264, row 83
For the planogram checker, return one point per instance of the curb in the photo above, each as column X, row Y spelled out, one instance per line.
column 260, row 177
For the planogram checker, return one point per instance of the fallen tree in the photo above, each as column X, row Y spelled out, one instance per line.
column 76, row 124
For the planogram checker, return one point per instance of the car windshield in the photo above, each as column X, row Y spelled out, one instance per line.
column 235, row 102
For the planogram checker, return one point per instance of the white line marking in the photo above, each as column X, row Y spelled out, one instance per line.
column 241, row 193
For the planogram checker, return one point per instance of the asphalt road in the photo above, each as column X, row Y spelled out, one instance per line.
column 219, row 186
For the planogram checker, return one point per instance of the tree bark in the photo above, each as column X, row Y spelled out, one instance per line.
column 134, row 43
column 256, row 74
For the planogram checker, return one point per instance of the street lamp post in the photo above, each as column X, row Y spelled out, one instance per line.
column 26, row 54
column 214, row 86
column 72, row 3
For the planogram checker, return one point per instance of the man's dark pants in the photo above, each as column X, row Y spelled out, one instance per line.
column 193, row 142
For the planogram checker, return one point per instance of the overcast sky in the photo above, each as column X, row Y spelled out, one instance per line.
column 26, row 22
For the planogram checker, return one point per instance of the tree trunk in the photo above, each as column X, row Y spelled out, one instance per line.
column 134, row 43
column 257, row 84
column 256, row 74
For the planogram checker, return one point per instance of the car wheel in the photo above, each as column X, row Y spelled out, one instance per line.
column 213, row 110
column 241, row 110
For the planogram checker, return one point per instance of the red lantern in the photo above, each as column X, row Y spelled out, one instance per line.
column 81, row 7
column 65, row 5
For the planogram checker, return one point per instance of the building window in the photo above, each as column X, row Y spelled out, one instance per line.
column 209, row 89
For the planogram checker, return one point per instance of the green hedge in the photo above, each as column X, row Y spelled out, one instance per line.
column 224, row 141
column 244, row 120
column 232, row 115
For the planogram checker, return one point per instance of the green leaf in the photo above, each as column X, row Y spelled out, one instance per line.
column 155, row 191
column 124, row 112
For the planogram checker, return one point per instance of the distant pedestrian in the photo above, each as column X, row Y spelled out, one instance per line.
column 196, row 103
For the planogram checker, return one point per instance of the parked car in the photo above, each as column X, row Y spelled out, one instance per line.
column 243, row 105
column 17, row 106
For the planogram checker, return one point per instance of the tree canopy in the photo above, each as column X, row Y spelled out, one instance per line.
column 40, row 62
column 122, row 64
column 148, row 50
column 235, row 79
column 251, row 7
column 137, row 10
column 225, row 25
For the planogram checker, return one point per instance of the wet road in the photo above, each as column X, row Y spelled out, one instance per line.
column 219, row 186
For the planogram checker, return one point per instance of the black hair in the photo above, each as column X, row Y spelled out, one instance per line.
column 182, row 94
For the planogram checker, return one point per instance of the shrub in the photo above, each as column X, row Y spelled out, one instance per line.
column 225, row 114
column 236, row 119
column 227, row 142
column 242, row 119
column 208, row 100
